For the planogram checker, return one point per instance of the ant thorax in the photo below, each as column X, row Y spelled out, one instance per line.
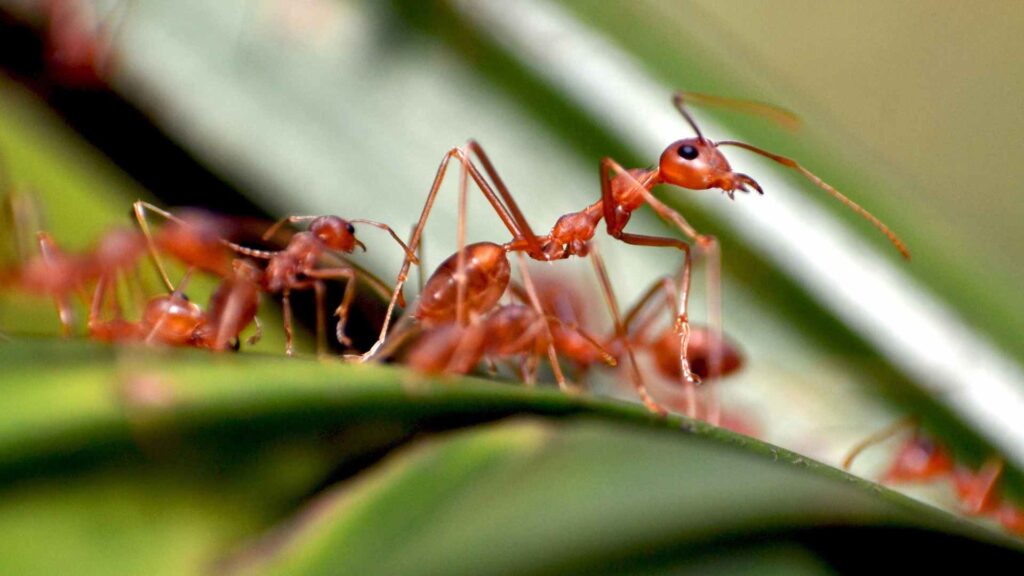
column 301, row 254
column 572, row 232
column 627, row 189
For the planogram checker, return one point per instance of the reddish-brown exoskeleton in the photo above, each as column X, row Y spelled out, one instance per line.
column 196, row 238
column 296, row 267
column 922, row 459
column 172, row 319
column 61, row 275
column 523, row 329
column 522, row 243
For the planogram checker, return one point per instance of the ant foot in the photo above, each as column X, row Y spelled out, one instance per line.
column 340, row 333
column 369, row 354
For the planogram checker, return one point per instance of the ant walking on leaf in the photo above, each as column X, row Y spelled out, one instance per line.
column 695, row 163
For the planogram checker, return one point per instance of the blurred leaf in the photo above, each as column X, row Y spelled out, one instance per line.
column 579, row 496
column 157, row 447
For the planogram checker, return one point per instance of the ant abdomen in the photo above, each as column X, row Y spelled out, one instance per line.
column 665, row 350
column 487, row 276
column 449, row 348
column 173, row 319
column 515, row 329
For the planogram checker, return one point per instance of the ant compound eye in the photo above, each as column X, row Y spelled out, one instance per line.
column 688, row 152
column 351, row 229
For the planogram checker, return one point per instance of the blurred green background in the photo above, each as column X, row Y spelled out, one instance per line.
column 346, row 107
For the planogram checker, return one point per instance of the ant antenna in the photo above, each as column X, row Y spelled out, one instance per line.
column 408, row 252
column 678, row 100
column 286, row 220
column 790, row 163
column 876, row 438
column 776, row 114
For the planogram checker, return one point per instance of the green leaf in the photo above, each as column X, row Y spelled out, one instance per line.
column 179, row 456
column 535, row 497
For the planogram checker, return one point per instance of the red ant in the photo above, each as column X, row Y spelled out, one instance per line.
column 174, row 320
column 921, row 459
column 59, row 274
column 472, row 280
column 523, row 329
column 694, row 163
column 464, row 291
column 295, row 267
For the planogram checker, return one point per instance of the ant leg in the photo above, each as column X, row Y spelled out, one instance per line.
column 47, row 248
column 528, row 368
column 258, row 334
column 527, row 234
column 321, row 322
column 634, row 316
column 977, row 489
column 414, row 240
column 712, row 256
column 620, row 332
column 663, row 211
column 460, row 248
column 341, row 313
column 141, row 208
column 96, row 306
column 682, row 324
column 420, row 276
column 531, row 291
column 287, row 305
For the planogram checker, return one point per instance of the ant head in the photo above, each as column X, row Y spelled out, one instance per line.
column 697, row 164
column 335, row 233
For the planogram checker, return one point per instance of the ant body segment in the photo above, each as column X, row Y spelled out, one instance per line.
column 524, row 329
